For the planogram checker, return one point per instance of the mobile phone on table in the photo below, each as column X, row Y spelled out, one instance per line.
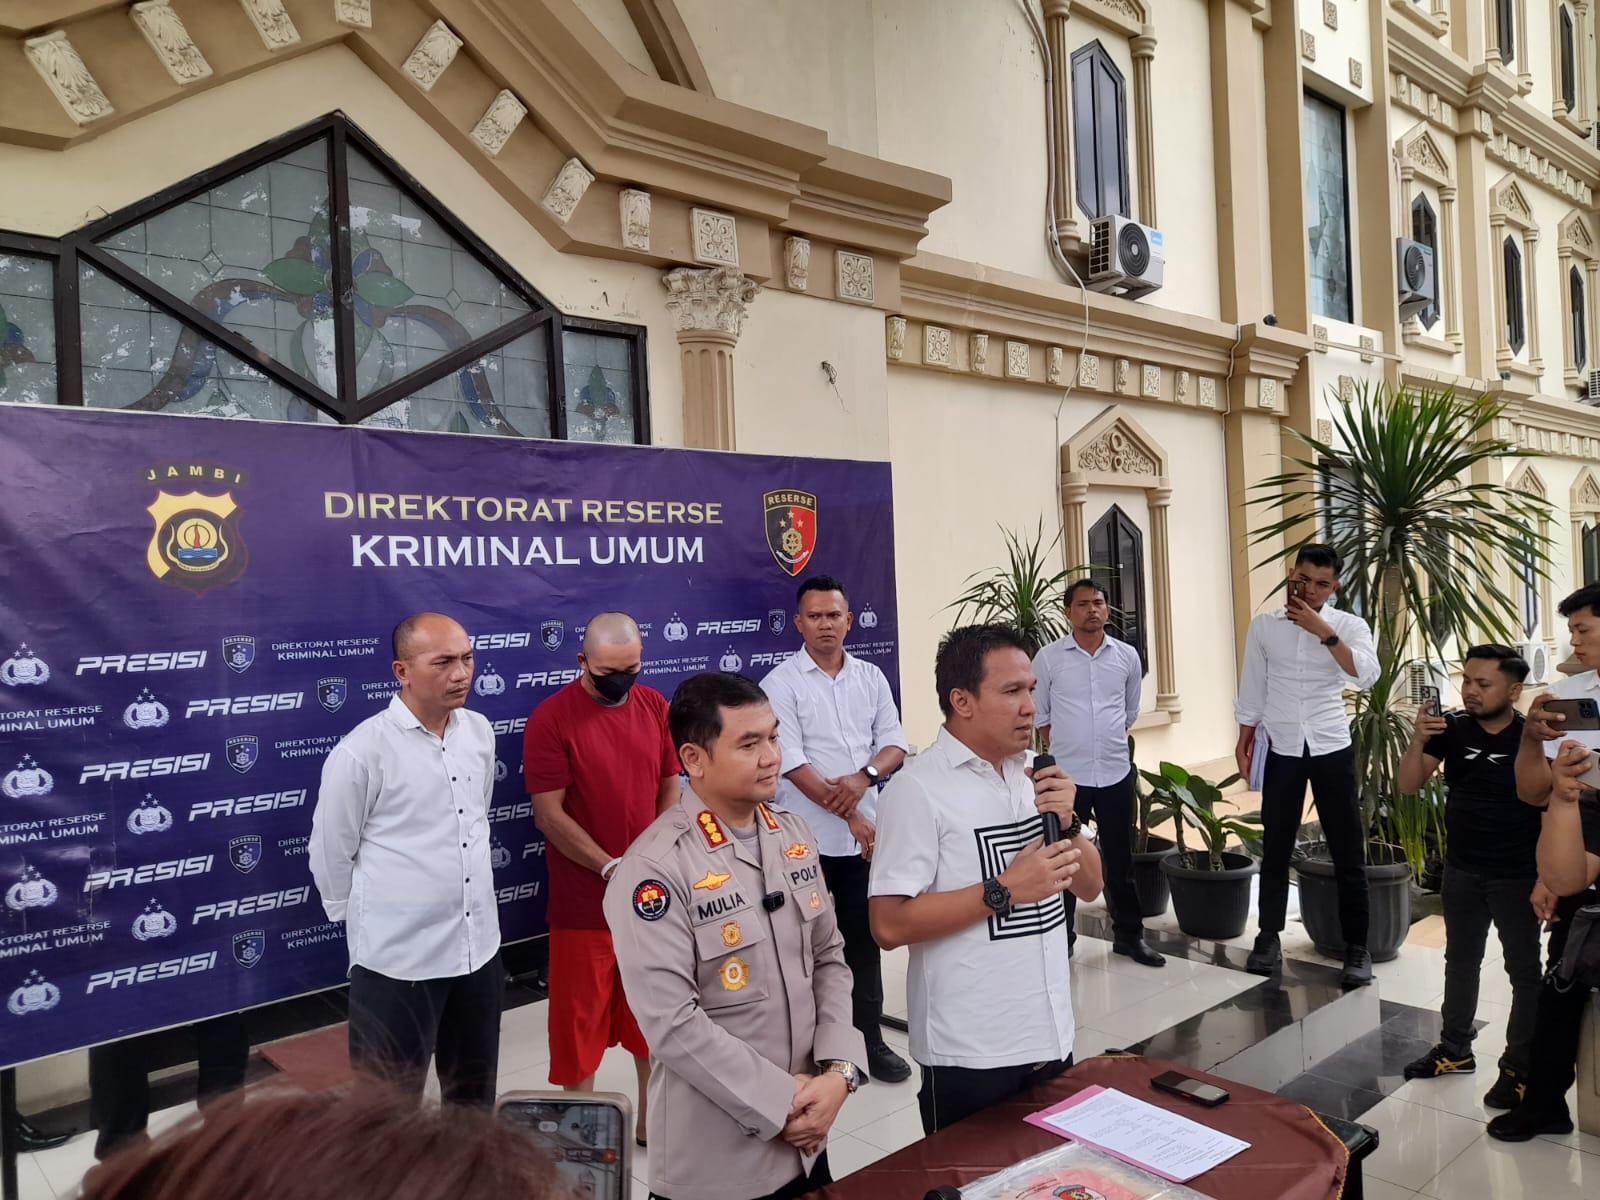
column 1179, row 1084
column 1432, row 704
column 1579, row 714
column 588, row 1136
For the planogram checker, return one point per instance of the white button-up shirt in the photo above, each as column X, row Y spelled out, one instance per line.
column 1292, row 683
column 400, row 844
column 1089, row 701
column 1585, row 686
column 836, row 724
column 999, row 993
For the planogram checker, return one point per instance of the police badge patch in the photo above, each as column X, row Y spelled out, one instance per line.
column 552, row 633
column 791, row 518
column 777, row 620
column 651, row 899
column 249, row 947
column 245, row 853
column 333, row 692
column 242, row 751
column 196, row 543
column 239, row 652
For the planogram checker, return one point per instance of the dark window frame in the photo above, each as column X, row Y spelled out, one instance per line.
column 1099, row 139
column 1578, row 316
column 1425, row 230
column 1589, row 544
column 1309, row 97
column 1505, row 19
column 1124, row 587
column 1516, row 316
column 1568, row 59
column 78, row 249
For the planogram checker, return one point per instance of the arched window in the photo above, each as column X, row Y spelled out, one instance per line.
column 1580, row 323
column 1099, row 133
column 1591, row 554
column 1425, row 229
column 1116, row 557
column 309, row 279
column 1516, row 328
column 1569, row 61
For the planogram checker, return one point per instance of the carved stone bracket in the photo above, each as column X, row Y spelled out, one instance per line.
column 272, row 22
column 165, row 32
column 433, row 54
column 55, row 59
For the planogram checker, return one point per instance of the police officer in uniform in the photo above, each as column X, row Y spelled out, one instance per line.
column 734, row 966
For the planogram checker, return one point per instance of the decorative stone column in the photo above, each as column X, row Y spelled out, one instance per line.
column 1497, row 258
column 1530, row 265
column 1064, row 213
column 1569, row 367
column 1445, row 266
column 708, row 306
column 1160, row 501
column 1074, row 533
column 1591, row 276
column 1144, row 141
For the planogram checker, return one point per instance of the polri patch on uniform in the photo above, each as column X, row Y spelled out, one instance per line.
column 651, row 899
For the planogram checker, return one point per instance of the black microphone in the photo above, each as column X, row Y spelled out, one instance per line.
column 772, row 901
column 1052, row 822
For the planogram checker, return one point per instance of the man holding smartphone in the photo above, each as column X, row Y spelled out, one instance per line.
column 1298, row 661
column 1490, row 867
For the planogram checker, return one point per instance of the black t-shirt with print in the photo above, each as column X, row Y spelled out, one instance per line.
column 1488, row 831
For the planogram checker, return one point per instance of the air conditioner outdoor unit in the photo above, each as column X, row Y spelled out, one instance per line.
column 1422, row 673
column 1591, row 390
column 1125, row 258
column 1418, row 281
column 1541, row 660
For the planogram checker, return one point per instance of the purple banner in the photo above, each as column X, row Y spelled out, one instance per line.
column 195, row 611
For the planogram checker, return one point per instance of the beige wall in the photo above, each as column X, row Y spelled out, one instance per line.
column 611, row 18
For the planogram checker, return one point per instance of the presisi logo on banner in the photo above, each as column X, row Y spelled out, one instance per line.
column 791, row 527
column 196, row 542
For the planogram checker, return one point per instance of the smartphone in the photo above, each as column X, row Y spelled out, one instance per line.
column 1179, row 1084
column 1580, row 714
column 588, row 1136
column 1297, row 589
column 1431, row 701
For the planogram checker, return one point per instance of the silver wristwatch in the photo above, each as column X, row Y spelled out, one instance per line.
column 840, row 1066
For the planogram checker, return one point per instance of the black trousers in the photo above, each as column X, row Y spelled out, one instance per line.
column 397, row 1025
column 119, row 1077
column 846, row 877
column 951, row 1094
column 1283, row 797
column 1471, row 904
column 819, row 1176
column 1555, row 1044
column 1111, row 808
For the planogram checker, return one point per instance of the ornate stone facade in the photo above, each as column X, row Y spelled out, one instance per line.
column 567, row 189
column 710, row 300
column 854, row 276
column 634, row 206
column 937, row 346
column 165, row 32
column 797, row 263
column 432, row 55
column 895, row 338
column 498, row 123
column 272, row 22
column 715, row 237
column 55, row 59
column 1115, row 451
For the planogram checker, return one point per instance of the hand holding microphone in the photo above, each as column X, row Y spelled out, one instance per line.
column 1054, row 794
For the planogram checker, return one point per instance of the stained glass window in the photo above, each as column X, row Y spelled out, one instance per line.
column 599, row 378
column 27, row 329
column 507, row 389
column 1327, row 209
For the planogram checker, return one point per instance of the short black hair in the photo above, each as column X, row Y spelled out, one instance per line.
column 963, row 658
column 1319, row 554
column 821, row 583
column 1076, row 586
column 1511, row 663
column 695, row 715
column 1588, row 596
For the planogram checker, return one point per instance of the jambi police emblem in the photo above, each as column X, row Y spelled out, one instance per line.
column 35, row 995
column 239, row 652
column 24, row 668
column 245, row 853
column 154, row 922
column 33, row 890
column 149, row 817
column 777, row 620
column 242, row 751
column 146, row 712
column 490, row 683
column 791, row 527
column 248, row 947
column 675, row 630
column 27, row 778
column 730, row 661
column 333, row 692
column 196, row 542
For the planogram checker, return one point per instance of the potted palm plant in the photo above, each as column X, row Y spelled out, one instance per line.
column 1148, row 850
column 1211, row 889
column 1025, row 593
column 1405, row 488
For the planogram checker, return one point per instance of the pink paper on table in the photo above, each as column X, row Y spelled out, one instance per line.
column 1041, row 1120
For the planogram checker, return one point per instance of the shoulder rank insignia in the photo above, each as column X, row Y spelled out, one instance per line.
column 711, row 829
column 711, row 882
column 767, row 818
column 797, row 850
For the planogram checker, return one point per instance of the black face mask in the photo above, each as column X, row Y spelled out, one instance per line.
column 614, row 688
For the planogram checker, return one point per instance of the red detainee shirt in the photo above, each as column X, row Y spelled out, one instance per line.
column 611, row 761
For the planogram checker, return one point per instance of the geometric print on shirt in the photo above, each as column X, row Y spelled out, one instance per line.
column 997, row 846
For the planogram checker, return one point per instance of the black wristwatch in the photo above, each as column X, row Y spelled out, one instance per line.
column 997, row 896
column 1331, row 640
column 872, row 773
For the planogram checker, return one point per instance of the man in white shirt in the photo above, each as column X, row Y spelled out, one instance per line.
column 1544, row 732
column 1088, row 699
column 841, row 736
column 1298, row 661
column 961, row 875
column 400, row 853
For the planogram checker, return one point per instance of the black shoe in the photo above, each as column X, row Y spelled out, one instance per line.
column 31, row 1137
column 1509, row 1090
column 1357, row 967
column 884, row 1065
column 1266, row 957
column 1527, row 1121
column 1442, row 1060
column 1141, row 951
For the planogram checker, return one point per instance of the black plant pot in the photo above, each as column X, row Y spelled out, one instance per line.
column 1211, row 904
column 1388, row 898
column 1148, row 880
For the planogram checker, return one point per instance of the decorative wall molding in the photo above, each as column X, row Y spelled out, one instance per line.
column 353, row 12
column 1308, row 45
column 895, row 338
column 1055, row 372
column 634, row 214
column 499, row 122
column 567, row 189
column 797, row 264
column 937, row 347
column 1017, row 360
column 53, row 56
column 432, row 56
column 272, row 22
column 708, row 300
column 978, row 353
column 854, row 276
column 715, row 237
column 1150, row 381
column 165, row 32
column 1088, row 371
column 1208, row 392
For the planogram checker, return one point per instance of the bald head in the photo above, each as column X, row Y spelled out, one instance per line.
column 610, row 629
column 421, row 629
